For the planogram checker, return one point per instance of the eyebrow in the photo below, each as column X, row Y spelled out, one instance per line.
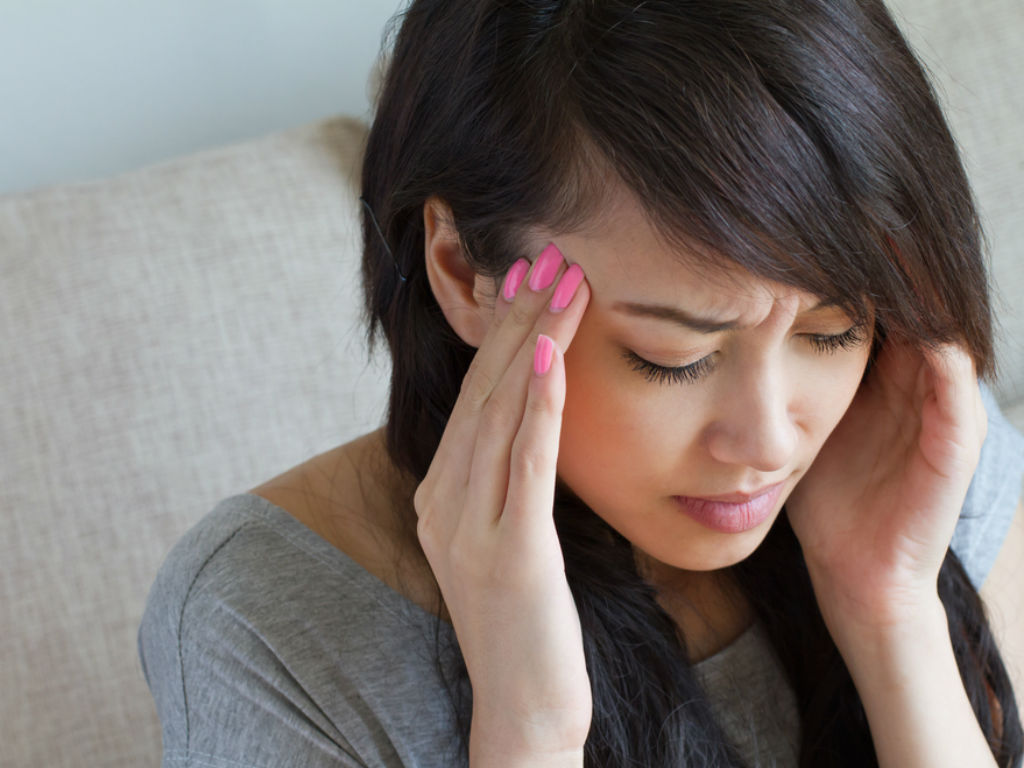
column 686, row 320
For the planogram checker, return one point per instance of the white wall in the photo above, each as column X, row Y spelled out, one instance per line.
column 89, row 88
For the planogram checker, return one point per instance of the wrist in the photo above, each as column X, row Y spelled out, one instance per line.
column 876, row 610
column 883, row 649
column 485, row 757
column 500, row 738
column 907, row 677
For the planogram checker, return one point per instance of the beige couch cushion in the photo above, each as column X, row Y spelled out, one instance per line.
column 975, row 57
column 167, row 338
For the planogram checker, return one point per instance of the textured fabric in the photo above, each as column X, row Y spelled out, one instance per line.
column 153, row 328
column 753, row 700
column 264, row 644
column 974, row 56
column 992, row 497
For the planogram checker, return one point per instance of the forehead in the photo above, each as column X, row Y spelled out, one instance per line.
column 626, row 260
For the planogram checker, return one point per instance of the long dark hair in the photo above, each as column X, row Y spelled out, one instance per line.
column 799, row 139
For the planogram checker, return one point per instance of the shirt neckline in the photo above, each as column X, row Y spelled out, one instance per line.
column 324, row 550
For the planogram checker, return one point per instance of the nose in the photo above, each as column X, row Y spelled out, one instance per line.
column 753, row 424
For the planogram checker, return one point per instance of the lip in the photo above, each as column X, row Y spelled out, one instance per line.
column 740, row 497
column 732, row 512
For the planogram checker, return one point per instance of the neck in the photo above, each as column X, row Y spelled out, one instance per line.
column 707, row 607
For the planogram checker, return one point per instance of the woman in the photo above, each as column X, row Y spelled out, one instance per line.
column 686, row 308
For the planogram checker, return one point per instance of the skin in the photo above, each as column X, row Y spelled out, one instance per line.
column 630, row 442
column 756, row 418
column 875, row 477
column 875, row 474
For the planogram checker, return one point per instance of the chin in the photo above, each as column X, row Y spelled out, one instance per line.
column 709, row 550
column 712, row 558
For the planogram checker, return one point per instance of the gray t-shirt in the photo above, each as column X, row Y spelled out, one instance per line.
column 264, row 645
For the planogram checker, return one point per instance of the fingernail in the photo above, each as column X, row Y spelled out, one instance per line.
column 545, row 268
column 566, row 288
column 543, row 354
column 514, row 279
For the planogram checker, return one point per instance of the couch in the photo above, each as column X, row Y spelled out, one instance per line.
column 182, row 332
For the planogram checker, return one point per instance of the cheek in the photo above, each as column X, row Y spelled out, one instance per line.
column 617, row 428
column 831, row 392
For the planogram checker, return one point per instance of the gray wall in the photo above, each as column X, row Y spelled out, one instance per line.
column 89, row 88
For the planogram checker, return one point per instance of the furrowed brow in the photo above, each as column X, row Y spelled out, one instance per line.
column 674, row 315
column 685, row 319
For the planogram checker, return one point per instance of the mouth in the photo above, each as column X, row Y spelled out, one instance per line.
column 739, row 497
column 732, row 512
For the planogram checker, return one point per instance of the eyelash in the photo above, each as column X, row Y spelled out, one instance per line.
column 684, row 374
column 692, row 373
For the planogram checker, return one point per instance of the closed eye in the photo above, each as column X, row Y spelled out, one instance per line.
column 694, row 372
column 850, row 339
column 683, row 374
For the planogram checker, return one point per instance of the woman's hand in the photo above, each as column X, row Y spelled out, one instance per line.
column 486, row 526
column 876, row 512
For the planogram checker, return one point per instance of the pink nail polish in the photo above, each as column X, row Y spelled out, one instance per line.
column 543, row 354
column 566, row 288
column 514, row 279
column 545, row 268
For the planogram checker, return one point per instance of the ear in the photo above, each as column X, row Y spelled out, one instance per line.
column 465, row 297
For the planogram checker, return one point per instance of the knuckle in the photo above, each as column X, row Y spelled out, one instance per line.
column 521, row 315
column 430, row 540
column 477, row 388
column 427, row 524
column 424, row 524
column 494, row 417
column 419, row 500
column 542, row 404
column 531, row 461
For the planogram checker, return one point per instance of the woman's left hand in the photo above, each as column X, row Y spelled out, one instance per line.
column 876, row 511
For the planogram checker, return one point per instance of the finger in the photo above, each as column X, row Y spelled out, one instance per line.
column 896, row 375
column 512, row 325
column 956, row 390
column 496, row 352
column 502, row 417
column 953, row 376
column 513, row 280
column 544, row 281
column 534, row 452
column 950, row 414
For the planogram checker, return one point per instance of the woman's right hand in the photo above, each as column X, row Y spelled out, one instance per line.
column 486, row 526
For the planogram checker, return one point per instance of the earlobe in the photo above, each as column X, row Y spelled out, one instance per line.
column 452, row 279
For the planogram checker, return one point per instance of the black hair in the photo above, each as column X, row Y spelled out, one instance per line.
column 799, row 139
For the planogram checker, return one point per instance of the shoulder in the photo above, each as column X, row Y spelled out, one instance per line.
column 249, row 567
column 242, row 573
column 248, row 549
column 260, row 639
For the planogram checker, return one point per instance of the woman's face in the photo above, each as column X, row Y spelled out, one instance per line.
column 763, row 374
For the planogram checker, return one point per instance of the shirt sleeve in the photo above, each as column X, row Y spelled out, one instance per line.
column 224, row 695
column 243, row 707
column 993, row 496
column 264, row 645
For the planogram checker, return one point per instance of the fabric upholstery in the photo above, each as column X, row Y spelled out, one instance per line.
column 183, row 332
column 973, row 53
column 167, row 338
